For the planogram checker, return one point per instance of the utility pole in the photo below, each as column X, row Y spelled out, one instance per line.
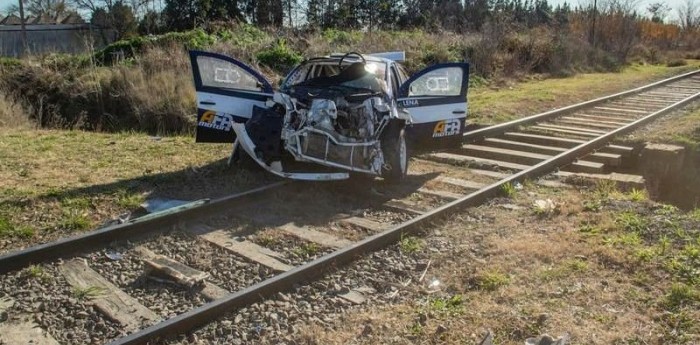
column 595, row 12
column 25, row 49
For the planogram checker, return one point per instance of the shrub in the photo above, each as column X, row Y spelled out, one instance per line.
column 279, row 57
column 676, row 63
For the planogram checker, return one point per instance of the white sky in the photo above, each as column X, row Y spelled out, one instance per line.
column 674, row 4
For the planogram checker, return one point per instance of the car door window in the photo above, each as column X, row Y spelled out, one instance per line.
column 395, row 81
column 442, row 82
column 215, row 72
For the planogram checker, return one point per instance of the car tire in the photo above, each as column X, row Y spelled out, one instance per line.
column 395, row 153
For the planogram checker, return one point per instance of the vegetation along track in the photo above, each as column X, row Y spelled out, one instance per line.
column 575, row 139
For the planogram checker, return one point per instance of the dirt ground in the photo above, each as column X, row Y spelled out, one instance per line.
column 603, row 266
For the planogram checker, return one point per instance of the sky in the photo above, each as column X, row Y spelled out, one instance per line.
column 674, row 4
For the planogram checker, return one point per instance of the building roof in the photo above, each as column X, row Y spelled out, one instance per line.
column 11, row 20
column 44, row 19
column 72, row 18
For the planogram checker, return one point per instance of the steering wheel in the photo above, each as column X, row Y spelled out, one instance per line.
column 340, row 63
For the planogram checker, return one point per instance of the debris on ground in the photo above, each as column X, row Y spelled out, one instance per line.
column 547, row 339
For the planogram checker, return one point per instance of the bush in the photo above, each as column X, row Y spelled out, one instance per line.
column 676, row 63
column 279, row 57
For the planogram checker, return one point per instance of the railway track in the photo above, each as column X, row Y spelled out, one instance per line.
column 576, row 140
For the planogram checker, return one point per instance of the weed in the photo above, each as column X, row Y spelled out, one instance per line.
column 129, row 200
column 267, row 240
column 307, row 249
column 508, row 189
column 680, row 295
column 8, row 229
column 35, row 271
column 592, row 205
column 695, row 214
column 452, row 305
column 565, row 269
column 589, row 228
column 645, row 254
column 605, row 188
column 73, row 220
column 638, row 195
column 410, row 244
column 667, row 210
column 631, row 221
column 416, row 329
column 628, row 240
column 664, row 244
column 492, row 280
column 88, row 293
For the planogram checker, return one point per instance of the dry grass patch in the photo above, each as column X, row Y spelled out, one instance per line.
column 522, row 275
column 53, row 182
column 491, row 105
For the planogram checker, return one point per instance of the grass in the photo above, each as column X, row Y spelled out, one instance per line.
column 307, row 249
column 631, row 221
column 8, row 229
column 450, row 305
column 508, row 189
column 681, row 295
column 491, row 280
column 87, row 293
column 495, row 105
column 410, row 244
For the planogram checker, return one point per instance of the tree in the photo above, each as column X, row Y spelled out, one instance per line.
column 51, row 8
column 658, row 11
column 688, row 15
column 118, row 19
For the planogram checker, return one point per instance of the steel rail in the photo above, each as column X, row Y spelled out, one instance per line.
column 285, row 281
column 138, row 227
column 494, row 130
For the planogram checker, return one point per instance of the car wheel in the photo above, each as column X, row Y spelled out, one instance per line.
column 395, row 153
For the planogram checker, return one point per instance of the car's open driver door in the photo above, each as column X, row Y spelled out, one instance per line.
column 227, row 90
column 436, row 99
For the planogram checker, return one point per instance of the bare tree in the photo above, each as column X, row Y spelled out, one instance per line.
column 658, row 11
column 688, row 15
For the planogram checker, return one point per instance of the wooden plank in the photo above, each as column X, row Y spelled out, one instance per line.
column 364, row 223
column 622, row 110
column 631, row 181
column 587, row 123
column 563, row 142
column 602, row 119
column 585, row 166
column 495, row 174
column 181, row 273
column 650, row 101
column 452, row 158
column 109, row 299
column 624, row 117
column 311, row 235
column 626, row 107
column 466, row 184
column 538, row 129
column 23, row 332
column 442, row 194
column 246, row 249
column 522, row 157
column 601, row 157
column 572, row 128
column 506, row 155
column 403, row 206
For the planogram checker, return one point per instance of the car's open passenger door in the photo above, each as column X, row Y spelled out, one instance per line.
column 227, row 90
column 436, row 99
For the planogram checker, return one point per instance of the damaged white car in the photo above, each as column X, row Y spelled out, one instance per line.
column 344, row 112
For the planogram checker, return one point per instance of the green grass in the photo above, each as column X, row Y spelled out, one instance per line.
column 88, row 293
column 129, row 200
column 451, row 305
column 508, row 189
column 492, row 280
column 631, row 221
column 637, row 195
column 74, row 220
column 307, row 249
column 9, row 229
column 681, row 295
column 410, row 244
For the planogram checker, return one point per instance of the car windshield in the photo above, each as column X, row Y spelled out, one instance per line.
column 314, row 72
